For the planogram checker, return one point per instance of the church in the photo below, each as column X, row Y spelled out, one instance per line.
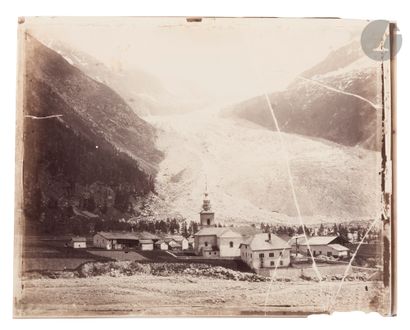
column 219, row 242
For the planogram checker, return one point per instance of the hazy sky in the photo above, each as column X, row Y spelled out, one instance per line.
column 222, row 59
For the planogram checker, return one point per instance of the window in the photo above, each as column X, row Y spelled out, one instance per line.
column 231, row 244
column 271, row 254
column 208, row 221
column 281, row 263
column 261, row 255
column 206, row 243
column 272, row 263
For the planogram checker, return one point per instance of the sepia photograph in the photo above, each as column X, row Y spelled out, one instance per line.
column 202, row 166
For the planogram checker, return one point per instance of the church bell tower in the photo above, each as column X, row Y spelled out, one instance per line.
column 207, row 216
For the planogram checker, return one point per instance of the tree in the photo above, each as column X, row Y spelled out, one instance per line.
column 184, row 229
column 334, row 231
column 321, row 229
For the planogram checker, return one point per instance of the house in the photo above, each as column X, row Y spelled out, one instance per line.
column 330, row 246
column 179, row 242
column 173, row 245
column 146, row 244
column 161, row 245
column 265, row 251
column 115, row 240
column 122, row 240
column 78, row 242
column 182, row 241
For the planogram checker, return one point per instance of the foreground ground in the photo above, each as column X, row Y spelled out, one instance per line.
column 54, row 286
column 144, row 295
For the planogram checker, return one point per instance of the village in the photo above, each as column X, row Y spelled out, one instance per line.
column 261, row 250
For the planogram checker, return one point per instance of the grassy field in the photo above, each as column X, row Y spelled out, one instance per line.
column 51, row 254
column 146, row 295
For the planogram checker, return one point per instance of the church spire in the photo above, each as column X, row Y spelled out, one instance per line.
column 206, row 205
column 207, row 216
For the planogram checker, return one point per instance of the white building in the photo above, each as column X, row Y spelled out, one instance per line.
column 218, row 242
column 161, row 245
column 330, row 246
column 265, row 251
column 123, row 240
column 177, row 242
column 78, row 242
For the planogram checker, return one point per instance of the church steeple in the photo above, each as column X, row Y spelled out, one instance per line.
column 207, row 217
column 206, row 204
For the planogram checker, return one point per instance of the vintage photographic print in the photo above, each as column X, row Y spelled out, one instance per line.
column 173, row 166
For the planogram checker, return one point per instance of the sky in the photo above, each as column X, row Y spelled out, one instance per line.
column 222, row 60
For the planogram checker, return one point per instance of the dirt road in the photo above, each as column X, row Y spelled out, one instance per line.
column 148, row 295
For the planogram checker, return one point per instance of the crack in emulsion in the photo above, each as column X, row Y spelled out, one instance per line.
column 290, row 177
column 375, row 106
column 292, row 187
column 44, row 117
column 346, row 273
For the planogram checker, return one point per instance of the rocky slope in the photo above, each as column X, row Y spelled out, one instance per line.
column 93, row 153
column 143, row 92
column 312, row 110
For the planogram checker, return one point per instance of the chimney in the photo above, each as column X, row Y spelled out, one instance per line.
column 269, row 236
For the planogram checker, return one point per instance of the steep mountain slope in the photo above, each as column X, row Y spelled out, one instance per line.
column 311, row 109
column 143, row 92
column 247, row 176
column 93, row 153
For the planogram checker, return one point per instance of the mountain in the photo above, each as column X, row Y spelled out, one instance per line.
column 142, row 91
column 310, row 109
column 245, row 169
column 84, row 147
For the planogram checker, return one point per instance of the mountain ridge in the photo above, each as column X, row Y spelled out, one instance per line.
column 313, row 110
column 90, row 151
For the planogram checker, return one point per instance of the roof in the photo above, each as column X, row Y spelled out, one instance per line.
column 338, row 247
column 300, row 239
column 176, row 238
column 320, row 240
column 78, row 239
column 209, row 231
column 243, row 231
column 159, row 242
column 146, row 241
column 174, row 244
column 119, row 235
column 146, row 235
column 230, row 234
column 246, row 230
column 260, row 242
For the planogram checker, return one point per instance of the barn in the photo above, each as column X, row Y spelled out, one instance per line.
column 78, row 242
column 330, row 246
column 161, row 245
column 115, row 240
column 146, row 244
